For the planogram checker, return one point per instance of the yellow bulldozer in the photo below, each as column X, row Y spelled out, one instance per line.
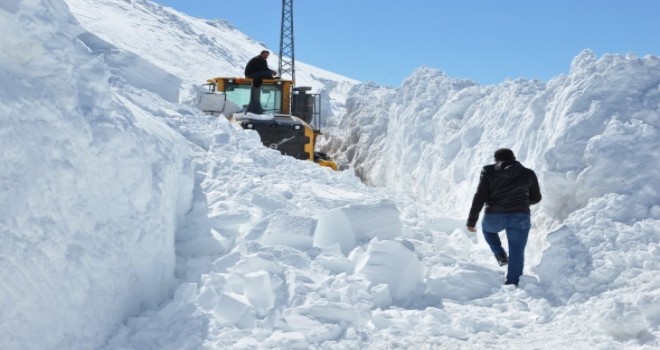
column 291, row 117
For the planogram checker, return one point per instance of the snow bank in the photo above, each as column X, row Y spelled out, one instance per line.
column 91, row 192
column 432, row 135
column 101, row 217
column 591, row 136
column 599, row 248
column 129, row 68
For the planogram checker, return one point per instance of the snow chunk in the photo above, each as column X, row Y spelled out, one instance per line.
column 286, row 340
column 371, row 220
column 391, row 263
column 334, row 228
column 235, row 310
column 259, row 292
column 355, row 223
column 289, row 230
column 462, row 283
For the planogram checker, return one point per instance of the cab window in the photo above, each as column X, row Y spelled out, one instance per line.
column 271, row 96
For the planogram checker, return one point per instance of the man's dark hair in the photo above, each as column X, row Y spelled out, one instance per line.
column 264, row 52
column 504, row 154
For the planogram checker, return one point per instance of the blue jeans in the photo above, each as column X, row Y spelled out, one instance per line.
column 517, row 227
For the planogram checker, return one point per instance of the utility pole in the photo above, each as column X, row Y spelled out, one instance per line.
column 287, row 58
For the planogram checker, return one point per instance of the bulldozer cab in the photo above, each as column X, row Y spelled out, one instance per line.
column 278, row 96
column 295, row 118
column 273, row 93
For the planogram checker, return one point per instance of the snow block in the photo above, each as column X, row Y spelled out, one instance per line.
column 235, row 309
column 314, row 330
column 336, row 263
column 331, row 312
column 391, row 263
column 334, row 228
column 289, row 230
column 381, row 296
column 374, row 220
column 207, row 299
column 258, row 290
column 286, row 340
column 357, row 222
column 465, row 283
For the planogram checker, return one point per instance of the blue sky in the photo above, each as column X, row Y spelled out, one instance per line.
column 483, row 40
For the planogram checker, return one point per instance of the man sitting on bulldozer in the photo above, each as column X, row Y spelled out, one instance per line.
column 257, row 69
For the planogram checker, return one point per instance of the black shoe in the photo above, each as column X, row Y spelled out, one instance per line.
column 502, row 259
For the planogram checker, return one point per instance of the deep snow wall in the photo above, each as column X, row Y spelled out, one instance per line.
column 431, row 136
column 591, row 136
column 90, row 193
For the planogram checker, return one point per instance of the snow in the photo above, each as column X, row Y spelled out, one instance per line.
column 132, row 220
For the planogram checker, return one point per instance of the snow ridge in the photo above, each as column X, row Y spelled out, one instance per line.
column 91, row 194
column 131, row 221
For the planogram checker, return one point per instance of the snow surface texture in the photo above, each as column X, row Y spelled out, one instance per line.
column 92, row 188
column 131, row 221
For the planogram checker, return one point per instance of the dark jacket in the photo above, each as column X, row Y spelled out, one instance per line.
column 256, row 64
column 505, row 187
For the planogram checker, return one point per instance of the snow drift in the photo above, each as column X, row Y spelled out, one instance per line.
column 92, row 192
column 131, row 221
column 592, row 136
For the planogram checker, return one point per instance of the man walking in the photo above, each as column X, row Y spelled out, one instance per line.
column 507, row 189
